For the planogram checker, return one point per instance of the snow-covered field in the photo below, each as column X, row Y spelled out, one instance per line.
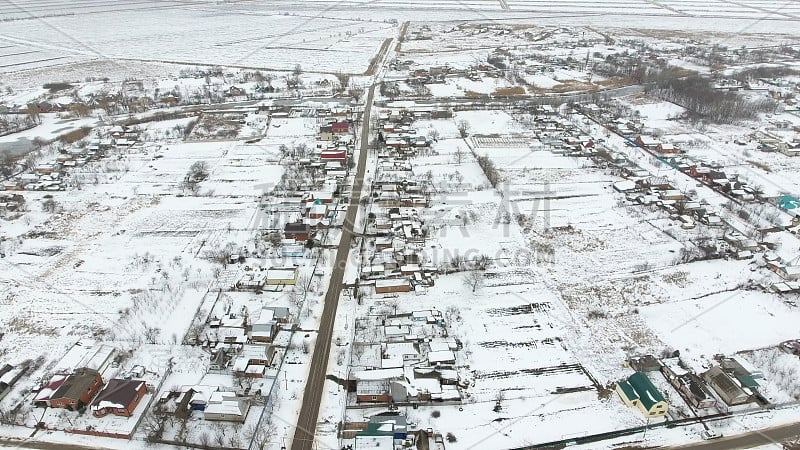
column 578, row 279
column 211, row 34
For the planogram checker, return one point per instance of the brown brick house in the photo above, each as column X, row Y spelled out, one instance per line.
column 119, row 397
column 77, row 390
column 298, row 231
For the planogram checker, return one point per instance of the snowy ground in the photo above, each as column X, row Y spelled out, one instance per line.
column 579, row 280
column 565, row 286
column 124, row 259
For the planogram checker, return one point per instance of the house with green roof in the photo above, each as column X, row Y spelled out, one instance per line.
column 637, row 390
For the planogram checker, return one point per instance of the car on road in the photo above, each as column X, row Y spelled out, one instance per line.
column 791, row 346
column 708, row 435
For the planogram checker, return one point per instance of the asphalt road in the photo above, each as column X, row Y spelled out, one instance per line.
column 41, row 445
column 768, row 436
column 312, row 396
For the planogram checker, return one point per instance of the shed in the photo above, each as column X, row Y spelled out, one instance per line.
column 392, row 285
column 729, row 390
column 282, row 276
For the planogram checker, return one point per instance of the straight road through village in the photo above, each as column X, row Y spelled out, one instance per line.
column 315, row 384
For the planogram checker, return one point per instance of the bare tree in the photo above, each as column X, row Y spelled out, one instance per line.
column 198, row 171
column 480, row 262
column 151, row 335
column 49, row 206
column 219, row 437
column 32, row 110
column 259, row 436
column 344, row 80
column 296, row 299
column 463, row 128
column 459, row 155
column 474, row 278
column 222, row 255
column 204, row 439
column 275, row 239
column 356, row 92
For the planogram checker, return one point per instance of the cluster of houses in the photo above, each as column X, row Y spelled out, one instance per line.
column 392, row 262
column 640, row 187
column 788, row 270
column 51, row 176
column 82, row 388
column 770, row 141
column 389, row 430
column 659, row 191
column 773, row 138
column 312, row 207
column 398, row 136
column 117, row 404
column 559, row 136
column 10, row 201
column 779, row 89
column 405, row 359
column 240, row 342
column 714, row 176
column 215, row 403
column 271, row 278
column 727, row 384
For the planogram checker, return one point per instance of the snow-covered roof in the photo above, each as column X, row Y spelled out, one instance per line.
column 441, row 356
column 281, row 274
column 377, row 374
column 394, row 282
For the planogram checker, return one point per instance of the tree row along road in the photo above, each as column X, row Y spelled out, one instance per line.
column 315, row 383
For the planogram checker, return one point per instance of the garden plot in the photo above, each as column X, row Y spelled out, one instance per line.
column 459, row 87
column 443, row 166
column 246, row 171
column 292, row 129
column 569, row 212
column 751, row 320
column 444, row 129
column 489, row 122
column 658, row 115
column 216, row 127
column 507, row 142
column 541, row 81
column 512, row 332
column 781, row 371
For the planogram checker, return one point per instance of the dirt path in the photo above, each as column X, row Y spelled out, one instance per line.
column 378, row 59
